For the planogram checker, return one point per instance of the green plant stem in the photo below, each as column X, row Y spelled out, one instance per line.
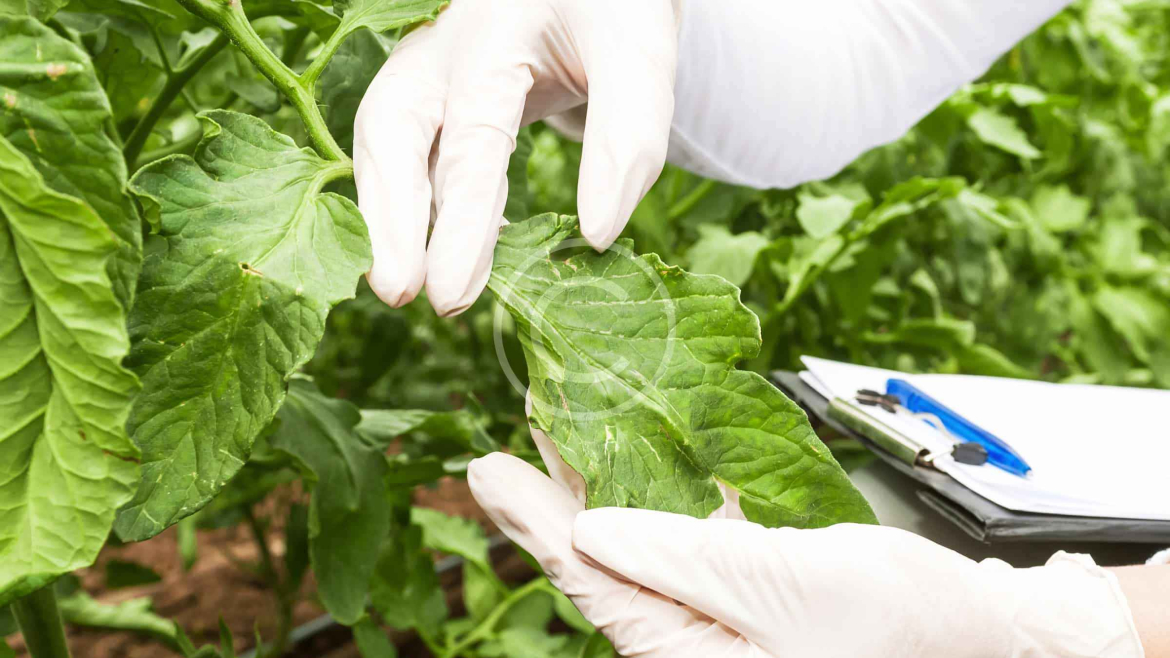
column 268, row 571
column 40, row 624
column 692, row 199
column 317, row 67
column 230, row 18
column 174, row 86
column 485, row 627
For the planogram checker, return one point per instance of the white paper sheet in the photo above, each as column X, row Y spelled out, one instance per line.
column 1094, row 450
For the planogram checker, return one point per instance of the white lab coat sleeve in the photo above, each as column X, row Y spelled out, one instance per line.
column 774, row 93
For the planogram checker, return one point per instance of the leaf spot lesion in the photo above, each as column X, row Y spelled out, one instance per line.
column 248, row 269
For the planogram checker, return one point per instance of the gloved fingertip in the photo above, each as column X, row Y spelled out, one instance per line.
column 395, row 286
column 599, row 233
column 450, row 298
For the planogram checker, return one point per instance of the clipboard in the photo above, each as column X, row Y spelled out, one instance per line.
column 980, row 518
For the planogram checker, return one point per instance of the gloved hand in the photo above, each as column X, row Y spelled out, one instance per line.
column 768, row 94
column 480, row 71
column 667, row 586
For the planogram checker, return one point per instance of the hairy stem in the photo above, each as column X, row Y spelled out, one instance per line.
column 174, row 86
column 485, row 627
column 40, row 624
column 309, row 77
column 230, row 18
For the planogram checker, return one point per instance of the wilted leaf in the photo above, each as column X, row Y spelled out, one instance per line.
column 249, row 258
column 632, row 369
column 65, row 461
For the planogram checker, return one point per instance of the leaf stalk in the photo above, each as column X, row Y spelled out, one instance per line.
column 229, row 17
column 39, row 621
column 485, row 627
column 176, row 81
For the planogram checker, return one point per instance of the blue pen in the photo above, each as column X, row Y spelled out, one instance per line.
column 999, row 453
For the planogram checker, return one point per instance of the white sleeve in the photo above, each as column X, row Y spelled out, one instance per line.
column 774, row 93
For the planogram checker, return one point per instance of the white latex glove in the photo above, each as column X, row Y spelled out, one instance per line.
column 480, row 71
column 667, row 586
column 768, row 94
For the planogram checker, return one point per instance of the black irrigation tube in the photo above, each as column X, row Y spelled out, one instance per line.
column 325, row 622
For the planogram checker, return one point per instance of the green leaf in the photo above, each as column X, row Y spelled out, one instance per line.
column 55, row 113
column 42, row 10
column 524, row 643
column 452, row 534
column 519, row 198
column 632, row 370
column 1096, row 341
column 322, row 20
column 347, row 515
column 346, row 78
column 979, row 359
column 227, row 643
column 730, row 256
column 569, row 613
column 135, row 615
column 121, row 573
column 382, row 15
column 822, row 216
column 405, row 589
column 482, row 590
column 249, row 258
column 597, row 646
column 65, row 461
column 130, row 76
column 382, row 426
column 1002, row 131
column 946, row 334
column 1141, row 318
column 372, row 641
column 1058, row 209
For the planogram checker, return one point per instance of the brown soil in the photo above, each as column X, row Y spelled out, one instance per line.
column 222, row 585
